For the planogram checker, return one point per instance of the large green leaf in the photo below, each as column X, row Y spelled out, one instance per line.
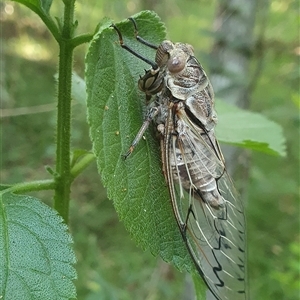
column 115, row 114
column 248, row 129
column 36, row 258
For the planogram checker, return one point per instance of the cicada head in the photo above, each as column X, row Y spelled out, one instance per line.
column 151, row 83
column 173, row 56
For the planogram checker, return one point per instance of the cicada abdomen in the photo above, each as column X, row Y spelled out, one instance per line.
column 208, row 211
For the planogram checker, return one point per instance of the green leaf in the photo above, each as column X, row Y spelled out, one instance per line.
column 115, row 114
column 36, row 258
column 250, row 130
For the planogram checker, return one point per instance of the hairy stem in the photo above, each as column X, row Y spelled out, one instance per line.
column 38, row 185
column 63, row 174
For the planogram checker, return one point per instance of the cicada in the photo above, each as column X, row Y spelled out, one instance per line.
column 208, row 211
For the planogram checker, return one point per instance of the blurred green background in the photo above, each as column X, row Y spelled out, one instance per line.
column 110, row 265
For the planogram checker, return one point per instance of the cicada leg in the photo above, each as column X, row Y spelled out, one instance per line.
column 127, row 48
column 152, row 113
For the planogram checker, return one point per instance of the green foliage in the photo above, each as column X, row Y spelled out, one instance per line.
column 289, row 278
column 109, row 264
column 250, row 130
column 115, row 110
column 35, row 253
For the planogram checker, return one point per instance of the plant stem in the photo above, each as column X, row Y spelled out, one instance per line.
column 38, row 185
column 81, row 39
column 63, row 177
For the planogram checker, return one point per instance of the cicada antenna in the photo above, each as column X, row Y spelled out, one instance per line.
column 153, row 64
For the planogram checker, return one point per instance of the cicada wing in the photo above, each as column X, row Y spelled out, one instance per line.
column 216, row 241
column 214, row 235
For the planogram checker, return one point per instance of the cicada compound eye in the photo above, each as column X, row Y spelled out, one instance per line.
column 162, row 53
column 177, row 61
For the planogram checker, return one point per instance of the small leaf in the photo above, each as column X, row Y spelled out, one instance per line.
column 115, row 114
column 248, row 129
column 35, row 251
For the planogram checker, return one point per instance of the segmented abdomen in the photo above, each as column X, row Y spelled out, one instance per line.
column 195, row 166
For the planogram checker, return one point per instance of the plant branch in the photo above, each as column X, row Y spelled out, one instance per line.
column 39, row 185
column 81, row 39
